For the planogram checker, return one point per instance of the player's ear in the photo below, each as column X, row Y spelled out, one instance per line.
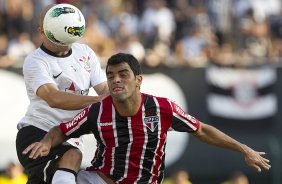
column 139, row 79
column 40, row 30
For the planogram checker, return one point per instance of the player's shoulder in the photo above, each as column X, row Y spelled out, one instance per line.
column 37, row 53
column 80, row 46
column 154, row 96
column 162, row 101
column 35, row 57
column 96, row 106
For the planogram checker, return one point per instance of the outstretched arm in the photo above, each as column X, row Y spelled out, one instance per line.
column 211, row 135
column 39, row 149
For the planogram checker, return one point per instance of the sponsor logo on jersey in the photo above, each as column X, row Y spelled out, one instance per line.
column 56, row 76
column 72, row 89
column 77, row 119
column 183, row 114
column 106, row 124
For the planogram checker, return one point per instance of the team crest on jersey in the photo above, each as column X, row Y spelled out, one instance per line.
column 86, row 62
column 152, row 122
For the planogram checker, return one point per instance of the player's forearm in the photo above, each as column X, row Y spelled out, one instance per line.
column 70, row 101
column 54, row 137
column 211, row 135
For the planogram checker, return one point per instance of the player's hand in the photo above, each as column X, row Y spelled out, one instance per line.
column 256, row 160
column 37, row 149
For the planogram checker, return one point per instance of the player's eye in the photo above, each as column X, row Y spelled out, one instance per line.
column 110, row 77
column 123, row 74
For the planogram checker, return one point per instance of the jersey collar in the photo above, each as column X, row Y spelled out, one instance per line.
column 53, row 54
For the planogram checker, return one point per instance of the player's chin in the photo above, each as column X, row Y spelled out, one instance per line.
column 119, row 96
column 65, row 47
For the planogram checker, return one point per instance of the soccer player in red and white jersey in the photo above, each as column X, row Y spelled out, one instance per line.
column 58, row 79
column 131, row 129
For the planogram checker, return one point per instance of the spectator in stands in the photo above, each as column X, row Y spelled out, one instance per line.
column 179, row 177
column 237, row 178
column 192, row 49
column 19, row 48
column 157, row 23
column 5, row 60
column 13, row 175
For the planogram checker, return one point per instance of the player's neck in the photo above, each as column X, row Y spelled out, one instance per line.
column 129, row 107
column 57, row 49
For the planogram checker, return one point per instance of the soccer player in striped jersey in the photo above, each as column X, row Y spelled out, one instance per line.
column 131, row 129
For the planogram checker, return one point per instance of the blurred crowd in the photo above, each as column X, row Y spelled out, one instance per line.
column 191, row 33
column 182, row 177
column 13, row 174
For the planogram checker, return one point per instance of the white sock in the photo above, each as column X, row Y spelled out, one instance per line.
column 64, row 176
column 89, row 177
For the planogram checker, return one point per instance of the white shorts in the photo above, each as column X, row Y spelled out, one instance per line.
column 77, row 142
column 89, row 177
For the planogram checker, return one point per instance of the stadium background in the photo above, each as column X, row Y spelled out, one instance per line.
column 180, row 40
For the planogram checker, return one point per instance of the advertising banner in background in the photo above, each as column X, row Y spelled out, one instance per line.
column 241, row 93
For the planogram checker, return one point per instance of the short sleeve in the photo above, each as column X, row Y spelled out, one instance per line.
column 183, row 122
column 78, row 125
column 36, row 73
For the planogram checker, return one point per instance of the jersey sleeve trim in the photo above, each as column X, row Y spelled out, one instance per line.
column 181, row 120
column 71, row 126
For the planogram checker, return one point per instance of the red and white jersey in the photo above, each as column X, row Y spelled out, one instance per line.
column 75, row 72
column 131, row 149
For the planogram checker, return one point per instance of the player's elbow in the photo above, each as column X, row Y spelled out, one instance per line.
column 54, row 103
column 201, row 132
column 51, row 95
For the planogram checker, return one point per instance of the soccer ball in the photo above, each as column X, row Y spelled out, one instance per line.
column 64, row 24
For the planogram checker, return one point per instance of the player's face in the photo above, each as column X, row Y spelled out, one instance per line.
column 57, row 49
column 123, row 85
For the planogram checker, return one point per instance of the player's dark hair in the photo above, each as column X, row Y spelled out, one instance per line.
column 125, row 58
column 43, row 13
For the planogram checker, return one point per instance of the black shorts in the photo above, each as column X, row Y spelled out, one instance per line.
column 42, row 169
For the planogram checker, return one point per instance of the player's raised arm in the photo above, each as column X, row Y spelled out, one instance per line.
column 211, row 135
column 39, row 149
column 69, row 101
